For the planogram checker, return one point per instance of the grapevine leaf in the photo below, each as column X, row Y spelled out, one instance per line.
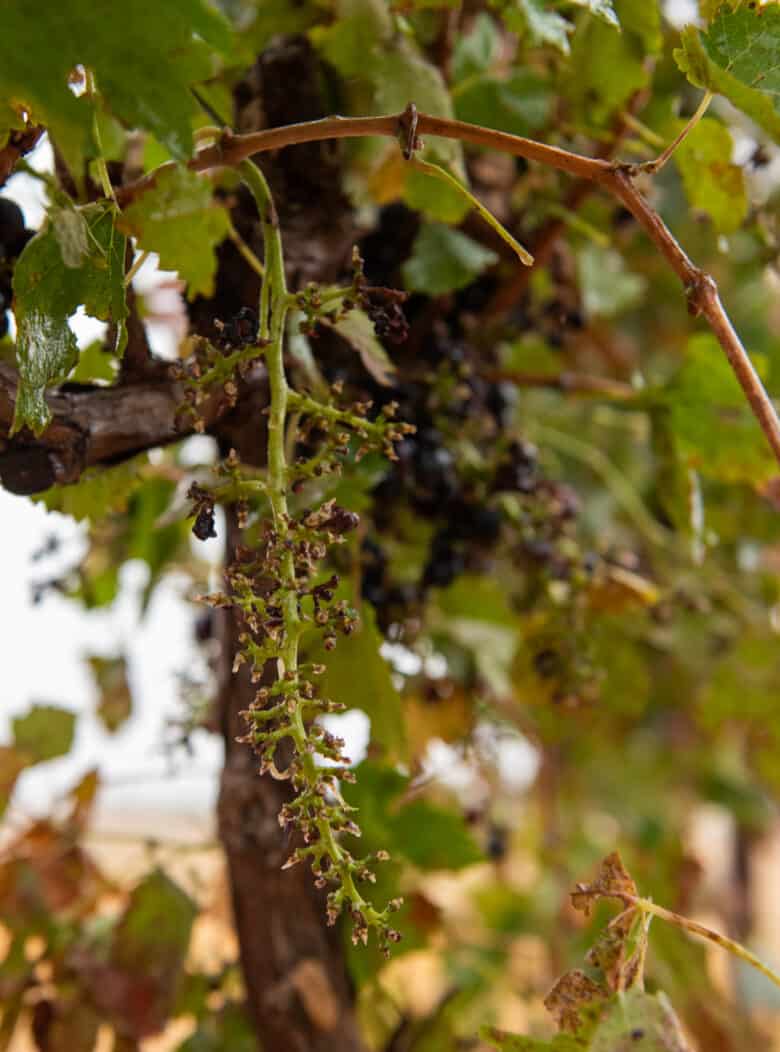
column 396, row 826
column 608, row 67
column 96, row 363
column 519, row 103
column 373, row 690
column 144, row 63
column 607, row 286
column 447, row 843
column 358, row 330
column 98, row 492
column 505, row 1042
column 738, row 57
column 363, row 46
column 476, row 50
column 179, row 220
column 746, row 43
column 712, row 183
column 72, row 233
column 544, row 27
column 44, row 733
column 713, row 428
column 443, row 260
column 641, row 1021
column 47, row 290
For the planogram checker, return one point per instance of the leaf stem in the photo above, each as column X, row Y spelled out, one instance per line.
column 138, row 262
column 438, row 172
column 651, row 167
column 245, row 251
column 100, row 161
column 647, row 906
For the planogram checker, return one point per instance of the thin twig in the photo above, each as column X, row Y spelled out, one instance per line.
column 138, row 262
column 651, row 167
column 246, row 251
column 735, row 948
column 616, row 179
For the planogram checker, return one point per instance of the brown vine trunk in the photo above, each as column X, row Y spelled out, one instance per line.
column 298, row 991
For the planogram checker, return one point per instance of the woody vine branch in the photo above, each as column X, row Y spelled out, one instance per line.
column 616, row 178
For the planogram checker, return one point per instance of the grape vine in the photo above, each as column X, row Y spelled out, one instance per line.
column 280, row 595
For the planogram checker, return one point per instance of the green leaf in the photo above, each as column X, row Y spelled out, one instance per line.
column 444, row 260
column 712, row 60
column 179, row 220
column 144, row 62
column 433, row 838
column 72, row 233
column 423, row 833
column 712, row 183
column 544, row 27
column 608, row 67
column 362, row 45
column 519, row 103
column 505, row 1042
column 372, row 690
column 476, row 50
column 641, row 1021
column 358, row 330
column 44, row 733
column 746, row 43
column 96, row 363
column 608, row 288
column 713, row 427
column 47, row 290
column 98, row 492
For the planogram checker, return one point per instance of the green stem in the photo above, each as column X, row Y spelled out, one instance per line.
column 138, row 262
column 274, row 304
column 441, row 173
column 735, row 948
column 655, row 166
column 246, row 251
column 100, row 161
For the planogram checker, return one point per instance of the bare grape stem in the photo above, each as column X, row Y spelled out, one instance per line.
column 616, row 178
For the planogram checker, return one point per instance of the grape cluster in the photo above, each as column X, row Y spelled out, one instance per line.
column 13, row 237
